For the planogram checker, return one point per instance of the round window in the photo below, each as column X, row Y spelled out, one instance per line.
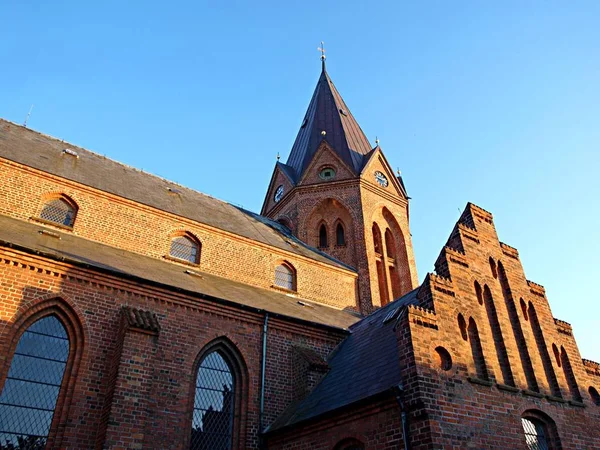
column 327, row 173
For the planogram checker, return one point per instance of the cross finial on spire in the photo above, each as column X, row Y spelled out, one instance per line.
column 323, row 57
column 376, row 141
column 278, row 156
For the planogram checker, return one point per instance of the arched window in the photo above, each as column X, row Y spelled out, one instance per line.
column 323, row 236
column 31, row 390
column 186, row 248
column 390, row 245
column 377, row 239
column 59, row 210
column 214, row 405
column 540, row 431
column 594, row 395
column 285, row 277
column 349, row 444
column 477, row 351
column 340, row 238
column 499, row 344
column 569, row 375
column 538, row 334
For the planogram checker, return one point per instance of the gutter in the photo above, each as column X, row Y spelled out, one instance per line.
column 262, row 381
column 399, row 393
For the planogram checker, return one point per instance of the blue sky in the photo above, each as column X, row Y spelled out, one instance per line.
column 497, row 103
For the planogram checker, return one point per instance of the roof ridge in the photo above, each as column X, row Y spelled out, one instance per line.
column 175, row 183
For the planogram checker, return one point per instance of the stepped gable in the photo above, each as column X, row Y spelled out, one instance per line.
column 64, row 246
column 365, row 364
column 328, row 112
column 45, row 153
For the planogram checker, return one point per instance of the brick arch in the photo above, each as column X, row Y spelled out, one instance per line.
column 183, row 232
column 549, row 426
column 398, row 273
column 329, row 211
column 72, row 320
column 237, row 363
column 286, row 222
column 58, row 195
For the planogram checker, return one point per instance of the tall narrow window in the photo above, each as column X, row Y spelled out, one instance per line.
column 29, row 396
column 59, row 211
column 390, row 245
column 323, row 236
column 380, row 265
column 517, row 329
column 185, row 248
column 477, row 351
column 377, row 239
column 570, row 375
column 543, row 351
column 285, row 277
column 501, row 352
column 212, row 423
column 340, row 238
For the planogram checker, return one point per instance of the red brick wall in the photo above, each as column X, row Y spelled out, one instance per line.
column 377, row 426
column 155, row 377
column 137, row 228
column 462, row 409
column 358, row 202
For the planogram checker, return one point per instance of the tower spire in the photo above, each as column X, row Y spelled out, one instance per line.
column 323, row 57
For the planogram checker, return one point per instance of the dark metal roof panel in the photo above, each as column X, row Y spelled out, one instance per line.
column 33, row 149
column 328, row 112
column 365, row 364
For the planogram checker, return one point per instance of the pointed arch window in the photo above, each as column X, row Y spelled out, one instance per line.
column 323, row 236
column 59, row 210
column 186, row 248
column 340, row 236
column 32, row 387
column 285, row 277
column 390, row 244
column 214, row 405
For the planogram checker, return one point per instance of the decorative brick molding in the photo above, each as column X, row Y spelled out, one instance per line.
column 536, row 289
column 509, row 251
column 422, row 316
column 140, row 320
column 563, row 327
column 591, row 367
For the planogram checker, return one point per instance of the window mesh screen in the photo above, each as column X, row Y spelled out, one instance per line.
column 212, row 424
column 184, row 248
column 29, row 395
column 284, row 277
column 58, row 211
column 534, row 435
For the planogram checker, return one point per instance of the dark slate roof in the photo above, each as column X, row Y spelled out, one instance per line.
column 71, row 248
column 45, row 153
column 365, row 364
column 328, row 112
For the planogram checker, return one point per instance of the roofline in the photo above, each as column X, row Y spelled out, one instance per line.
column 331, row 262
column 157, row 284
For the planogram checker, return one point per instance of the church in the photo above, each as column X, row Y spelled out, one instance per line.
column 136, row 313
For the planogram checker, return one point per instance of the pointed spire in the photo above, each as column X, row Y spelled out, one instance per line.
column 327, row 112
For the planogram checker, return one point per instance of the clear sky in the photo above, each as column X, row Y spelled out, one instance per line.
column 497, row 103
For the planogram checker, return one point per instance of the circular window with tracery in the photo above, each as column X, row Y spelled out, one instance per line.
column 327, row 173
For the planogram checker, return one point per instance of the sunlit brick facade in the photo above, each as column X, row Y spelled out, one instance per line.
column 139, row 314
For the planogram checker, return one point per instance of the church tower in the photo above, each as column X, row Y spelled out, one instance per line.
column 337, row 193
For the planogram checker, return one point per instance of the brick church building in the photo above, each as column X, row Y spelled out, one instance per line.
column 136, row 313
